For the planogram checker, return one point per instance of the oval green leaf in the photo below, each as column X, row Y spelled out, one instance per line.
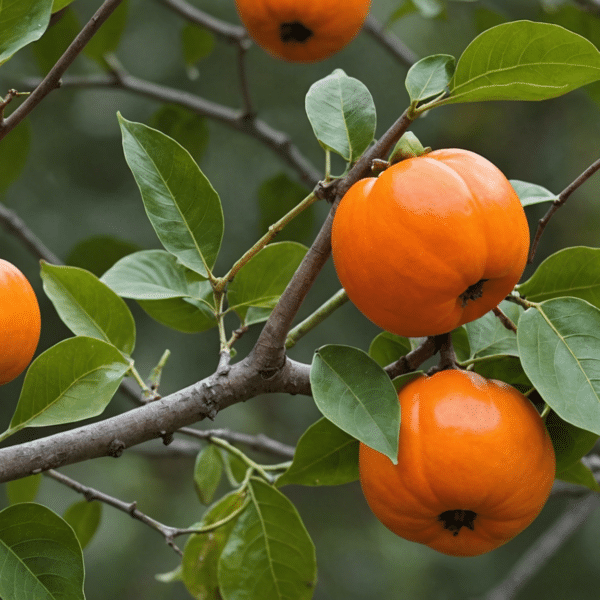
column 40, row 555
column 569, row 272
column 88, row 306
column 387, row 348
column 180, row 202
column 72, row 381
column 429, row 76
column 207, row 473
column 355, row 393
column 488, row 336
column 84, row 517
column 269, row 550
column 169, row 292
column 23, row 490
column 342, row 114
column 262, row 280
column 22, row 22
column 579, row 474
column 570, row 443
column 559, row 346
column 531, row 193
column 325, row 455
column 523, row 60
column 199, row 565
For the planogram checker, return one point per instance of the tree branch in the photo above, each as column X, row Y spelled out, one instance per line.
column 91, row 494
column 269, row 352
column 544, row 548
column 277, row 141
column 157, row 419
column 562, row 198
column 390, row 42
column 52, row 80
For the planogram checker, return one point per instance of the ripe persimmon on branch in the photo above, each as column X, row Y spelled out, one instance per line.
column 421, row 237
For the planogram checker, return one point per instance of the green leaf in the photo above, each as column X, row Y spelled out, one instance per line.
column 180, row 202
column 429, row 76
column 185, row 127
column 570, row 443
column 23, row 490
column 207, row 473
column 89, row 307
column 14, row 152
column 523, row 60
column 99, row 253
column 71, row 381
column 531, row 193
column 503, row 368
column 197, row 43
column 325, row 455
column 51, row 46
column 40, row 555
column 269, row 550
column 169, row 292
column 22, row 22
column 106, row 40
column 488, row 337
column 84, row 517
column 175, row 575
column 387, row 348
column 202, row 551
column 569, row 272
column 262, row 280
column 342, row 114
column 559, row 346
column 276, row 197
column 579, row 474
column 60, row 4
column 355, row 393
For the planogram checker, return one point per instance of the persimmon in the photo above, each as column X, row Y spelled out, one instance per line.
column 20, row 322
column 303, row 32
column 475, row 465
column 432, row 243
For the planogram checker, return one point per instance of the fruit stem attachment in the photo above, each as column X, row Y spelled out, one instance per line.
column 448, row 358
column 408, row 146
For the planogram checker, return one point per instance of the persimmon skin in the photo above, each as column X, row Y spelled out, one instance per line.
column 466, row 444
column 408, row 244
column 20, row 322
column 329, row 24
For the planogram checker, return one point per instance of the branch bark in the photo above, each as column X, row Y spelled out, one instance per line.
column 52, row 80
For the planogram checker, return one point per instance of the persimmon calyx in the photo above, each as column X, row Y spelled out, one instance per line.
column 453, row 520
column 473, row 292
column 294, row 32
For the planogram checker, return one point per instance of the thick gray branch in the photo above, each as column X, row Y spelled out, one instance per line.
column 154, row 420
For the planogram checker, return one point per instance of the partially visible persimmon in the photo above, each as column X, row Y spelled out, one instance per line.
column 306, row 31
column 475, row 465
column 20, row 322
column 434, row 242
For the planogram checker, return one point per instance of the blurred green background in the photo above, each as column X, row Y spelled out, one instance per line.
column 75, row 185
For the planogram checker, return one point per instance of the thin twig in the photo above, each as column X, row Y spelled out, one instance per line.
column 276, row 140
column 545, row 548
column 17, row 227
column 560, row 200
column 390, row 42
column 130, row 508
column 504, row 319
column 414, row 359
column 232, row 33
column 260, row 442
column 52, row 80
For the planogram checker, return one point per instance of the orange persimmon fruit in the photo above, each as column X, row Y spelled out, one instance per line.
column 306, row 31
column 434, row 242
column 20, row 322
column 475, row 465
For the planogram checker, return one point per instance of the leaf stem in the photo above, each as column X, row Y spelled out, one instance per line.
column 248, row 461
column 327, row 308
column 264, row 240
column 545, row 411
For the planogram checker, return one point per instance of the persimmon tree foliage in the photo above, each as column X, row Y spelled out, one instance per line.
column 543, row 338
